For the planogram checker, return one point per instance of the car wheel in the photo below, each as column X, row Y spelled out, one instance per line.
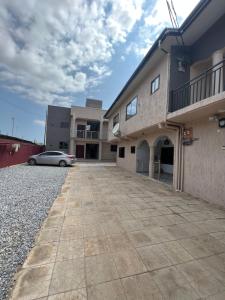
column 62, row 163
column 32, row 162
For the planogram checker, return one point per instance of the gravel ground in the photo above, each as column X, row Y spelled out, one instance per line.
column 26, row 194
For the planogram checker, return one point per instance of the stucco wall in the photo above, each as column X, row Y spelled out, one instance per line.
column 54, row 133
column 129, row 162
column 151, row 109
column 106, row 152
column 204, row 163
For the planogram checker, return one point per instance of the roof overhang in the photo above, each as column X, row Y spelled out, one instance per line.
column 204, row 15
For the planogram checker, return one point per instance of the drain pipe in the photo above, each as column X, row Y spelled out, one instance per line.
column 179, row 128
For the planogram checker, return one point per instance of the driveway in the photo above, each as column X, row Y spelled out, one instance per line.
column 112, row 235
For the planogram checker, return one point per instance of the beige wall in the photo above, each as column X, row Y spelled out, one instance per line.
column 151, row 109
column 129, row 162
column 106, row 152
column 88, row 113
column 204, row 162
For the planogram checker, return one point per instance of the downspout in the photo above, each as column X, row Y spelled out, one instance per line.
column 178, row 127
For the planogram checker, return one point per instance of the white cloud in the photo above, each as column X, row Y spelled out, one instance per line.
column 155, row 20
column 52, row 49
column 39, row 122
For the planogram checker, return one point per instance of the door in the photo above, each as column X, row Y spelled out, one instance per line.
column 79, row 151
column 42, row 158
column 92, row 151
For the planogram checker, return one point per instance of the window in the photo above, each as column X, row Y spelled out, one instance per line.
column 155, row 84
column 131, row 108
column 63, row 145
column 49, row 153
column 132, row 149
column 121, row 152
column 113, row 148
column 64, row 125
column 115, row 120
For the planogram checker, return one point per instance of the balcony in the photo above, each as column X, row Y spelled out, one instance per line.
column 86, row 134
column 206, row 85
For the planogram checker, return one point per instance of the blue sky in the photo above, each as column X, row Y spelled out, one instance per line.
column 60, row 52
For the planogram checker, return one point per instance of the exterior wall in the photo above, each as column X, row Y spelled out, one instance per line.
column 211, row 41
column 129, row 162
column 202, row 50
column 9, row 157
column 204, row 162
column 151, row 109
column 106, row 152
column 105, row 130
column 87, row 113
column 80, row 115
column 54, row 133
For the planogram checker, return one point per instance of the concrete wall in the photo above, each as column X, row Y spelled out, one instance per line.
column 106, row 152
column 204, row 162
column 54, row 133
column 129, row 162
column 151, row 109
column 8, row 155
column 212, row 40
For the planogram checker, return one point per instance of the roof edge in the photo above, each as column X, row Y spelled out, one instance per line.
column 164, row 34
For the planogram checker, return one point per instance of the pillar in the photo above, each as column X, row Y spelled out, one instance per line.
column 100, row 151
column 151, row 162
column 217, row 79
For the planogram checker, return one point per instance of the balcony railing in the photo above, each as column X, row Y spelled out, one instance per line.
column 207, row 84
column 86, row 134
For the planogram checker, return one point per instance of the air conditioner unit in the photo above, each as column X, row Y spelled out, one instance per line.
column 116, row 130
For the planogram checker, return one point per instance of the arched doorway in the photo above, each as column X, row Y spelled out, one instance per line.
column 163, row 159
column 142, row 158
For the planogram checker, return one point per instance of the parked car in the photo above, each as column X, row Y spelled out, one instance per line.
column 52, row 158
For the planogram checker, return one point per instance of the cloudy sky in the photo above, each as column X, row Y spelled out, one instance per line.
column 60, row 52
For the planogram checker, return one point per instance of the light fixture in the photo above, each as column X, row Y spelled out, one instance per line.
column 221, row 123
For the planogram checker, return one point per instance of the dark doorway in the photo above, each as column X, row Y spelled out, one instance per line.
column 79, row 151
column 164, row 159
column 92, row 151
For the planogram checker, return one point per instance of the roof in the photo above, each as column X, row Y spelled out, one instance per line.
column 165, row 33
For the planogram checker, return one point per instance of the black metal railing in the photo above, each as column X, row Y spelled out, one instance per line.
column 207, row 84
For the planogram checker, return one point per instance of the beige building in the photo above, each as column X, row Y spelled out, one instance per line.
column 82, row 131
column 89, row 132
column 168, row 121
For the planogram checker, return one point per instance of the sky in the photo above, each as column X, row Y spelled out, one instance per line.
column 55, row 52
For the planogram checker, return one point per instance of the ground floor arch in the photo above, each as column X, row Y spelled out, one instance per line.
column 142, row 158
column 163, row 166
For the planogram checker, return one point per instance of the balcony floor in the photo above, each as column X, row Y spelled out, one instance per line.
column 203, row 108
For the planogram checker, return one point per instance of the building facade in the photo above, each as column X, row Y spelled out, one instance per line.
column 81, row 131
column 168, row 121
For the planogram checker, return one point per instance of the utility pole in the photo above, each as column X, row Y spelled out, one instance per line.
column 13, row 120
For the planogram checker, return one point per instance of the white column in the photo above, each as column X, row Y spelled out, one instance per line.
column 151, row 162
column 72, row 146
column 218, row 73
column 100, row 151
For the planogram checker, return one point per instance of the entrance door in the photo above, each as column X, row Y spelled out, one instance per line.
column 92, row 151
column 79, row 151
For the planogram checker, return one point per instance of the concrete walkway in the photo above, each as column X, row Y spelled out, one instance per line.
column 112, row 235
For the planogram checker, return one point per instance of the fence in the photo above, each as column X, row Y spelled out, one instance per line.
column 14, row 151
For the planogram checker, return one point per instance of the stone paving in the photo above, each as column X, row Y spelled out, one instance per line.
column 112, row 235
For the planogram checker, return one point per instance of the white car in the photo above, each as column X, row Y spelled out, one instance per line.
column 52, row 158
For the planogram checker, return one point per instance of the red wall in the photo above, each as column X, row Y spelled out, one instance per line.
column 9, row 157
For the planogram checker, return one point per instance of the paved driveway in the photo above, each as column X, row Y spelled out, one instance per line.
column 112, row 235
